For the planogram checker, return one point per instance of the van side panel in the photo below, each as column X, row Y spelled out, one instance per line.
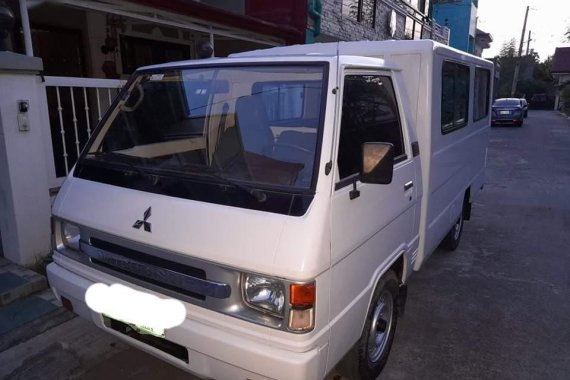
column 456, row 162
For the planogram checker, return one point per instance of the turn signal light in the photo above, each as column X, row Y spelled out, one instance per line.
column 302, row 295
column 302, row 299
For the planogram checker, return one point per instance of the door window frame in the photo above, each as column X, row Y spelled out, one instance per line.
column 399, row 160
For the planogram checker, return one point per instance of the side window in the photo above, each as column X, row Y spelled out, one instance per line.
column 454, row 96
column 481, row 101
column 369, row 114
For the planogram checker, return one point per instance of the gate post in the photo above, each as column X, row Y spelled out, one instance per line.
column 24, row 189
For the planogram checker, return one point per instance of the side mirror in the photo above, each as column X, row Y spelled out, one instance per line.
column 377, row 163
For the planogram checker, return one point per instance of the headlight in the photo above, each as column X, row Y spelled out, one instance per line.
column 67, row 234
column 267, row 294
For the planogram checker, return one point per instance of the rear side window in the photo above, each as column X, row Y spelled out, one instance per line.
column 369, row 114
column 454, row 96
column 481, row 102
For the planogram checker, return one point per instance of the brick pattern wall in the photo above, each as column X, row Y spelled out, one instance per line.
column 336, row 26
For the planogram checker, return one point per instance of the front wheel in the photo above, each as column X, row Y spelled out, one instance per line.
column 377, row 336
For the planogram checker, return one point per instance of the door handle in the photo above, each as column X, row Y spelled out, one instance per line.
column 408, row 185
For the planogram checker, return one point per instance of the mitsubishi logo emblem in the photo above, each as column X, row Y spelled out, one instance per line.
column 139, row 223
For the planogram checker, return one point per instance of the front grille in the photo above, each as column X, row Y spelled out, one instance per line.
column 147, row 259
column 151, row 261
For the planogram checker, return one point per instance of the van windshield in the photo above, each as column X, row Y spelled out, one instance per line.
column 251, row 126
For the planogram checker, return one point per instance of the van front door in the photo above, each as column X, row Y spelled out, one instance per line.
column 371, row 227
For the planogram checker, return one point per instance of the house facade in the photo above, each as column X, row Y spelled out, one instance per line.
column 482, row 41
column 110, row 38
column 561, row 72
column 460, row 16
column 347, row 20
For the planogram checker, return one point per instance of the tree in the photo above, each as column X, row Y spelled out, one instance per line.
column 534, row 77
column 508, row 49
column 542, row 71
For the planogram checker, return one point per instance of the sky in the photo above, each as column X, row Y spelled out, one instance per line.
column 548, row 20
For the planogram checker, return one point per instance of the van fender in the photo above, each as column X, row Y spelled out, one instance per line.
column 399, row 262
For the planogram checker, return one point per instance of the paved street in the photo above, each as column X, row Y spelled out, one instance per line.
column 497, row 308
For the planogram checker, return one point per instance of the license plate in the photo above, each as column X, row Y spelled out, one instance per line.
column 505, row 112
column 143, row 312
column 158, row 332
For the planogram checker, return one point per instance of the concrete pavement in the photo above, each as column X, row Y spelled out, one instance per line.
column 499, row 307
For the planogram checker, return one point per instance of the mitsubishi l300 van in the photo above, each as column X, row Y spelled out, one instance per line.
column 281, row 198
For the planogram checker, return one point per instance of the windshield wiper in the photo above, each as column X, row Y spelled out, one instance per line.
column 106, row 155
column 201, row 170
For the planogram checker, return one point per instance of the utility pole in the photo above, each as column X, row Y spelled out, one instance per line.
column 518, row 62
column 528, row 42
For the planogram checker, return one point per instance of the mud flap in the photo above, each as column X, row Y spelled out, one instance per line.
column 401, row 300
column 466, row 210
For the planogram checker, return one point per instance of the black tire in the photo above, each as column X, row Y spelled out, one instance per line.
column 383, row 311
column 453, row 237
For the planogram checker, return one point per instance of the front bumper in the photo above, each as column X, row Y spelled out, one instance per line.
column 214, row 350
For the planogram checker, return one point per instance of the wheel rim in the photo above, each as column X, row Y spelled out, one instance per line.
column 457, row 228
column 381, row 326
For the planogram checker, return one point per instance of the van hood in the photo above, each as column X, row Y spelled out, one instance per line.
column 249, row 240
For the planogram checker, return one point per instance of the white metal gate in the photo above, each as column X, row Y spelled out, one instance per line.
column 75, row 106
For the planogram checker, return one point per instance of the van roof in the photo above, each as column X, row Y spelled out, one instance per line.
column 354, row 60
column 358, row 50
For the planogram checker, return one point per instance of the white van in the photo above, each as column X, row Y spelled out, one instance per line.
column 284, row 196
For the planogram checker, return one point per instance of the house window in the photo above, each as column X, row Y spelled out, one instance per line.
column 369, row 114
column 424, row 7
column 413, row 3
column 420, row 5
column 454, row 96
column 409, row 31
column 413, row 30
column 363, row 11
column 418, row 31
column 481, row 102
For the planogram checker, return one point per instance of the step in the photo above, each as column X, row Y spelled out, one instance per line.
column 29, row 317
column 17, row 282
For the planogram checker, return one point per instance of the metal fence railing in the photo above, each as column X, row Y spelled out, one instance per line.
column 75, row 106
